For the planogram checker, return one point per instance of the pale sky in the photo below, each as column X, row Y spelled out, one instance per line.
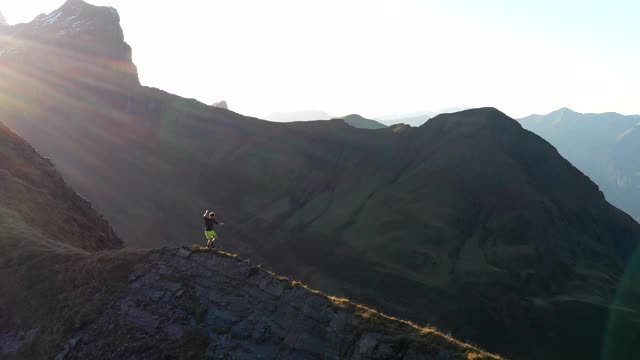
column 383, row 57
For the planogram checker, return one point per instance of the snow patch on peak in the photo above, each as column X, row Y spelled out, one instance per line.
column 52, row 17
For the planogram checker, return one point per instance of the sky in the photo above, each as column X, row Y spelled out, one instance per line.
column 379, row 58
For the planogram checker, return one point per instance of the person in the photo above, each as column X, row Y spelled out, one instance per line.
column 209, row 233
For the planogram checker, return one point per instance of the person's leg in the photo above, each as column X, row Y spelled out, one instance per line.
column 208, row 236
column 211, row 236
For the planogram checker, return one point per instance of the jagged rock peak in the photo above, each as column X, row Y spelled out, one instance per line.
column 75, row 3
column 221, row 104
column 77, row 11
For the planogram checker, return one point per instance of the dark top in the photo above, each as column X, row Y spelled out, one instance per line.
column 208, row 223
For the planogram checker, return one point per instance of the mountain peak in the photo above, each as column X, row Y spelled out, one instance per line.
column 564, row 110
column 91, row 36
column 75, row 3
column 472, row 119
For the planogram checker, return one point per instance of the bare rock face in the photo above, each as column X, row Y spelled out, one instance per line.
column 77, row 37
column 207, row 304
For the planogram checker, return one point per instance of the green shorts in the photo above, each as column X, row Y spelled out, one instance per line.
column 210, row 234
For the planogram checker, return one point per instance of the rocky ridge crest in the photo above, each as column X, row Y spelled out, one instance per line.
column 185, row 302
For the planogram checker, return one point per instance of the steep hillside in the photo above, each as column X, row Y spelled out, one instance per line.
column 50, row 279
column 468, row 222
column 604, row 146
column 36, row 196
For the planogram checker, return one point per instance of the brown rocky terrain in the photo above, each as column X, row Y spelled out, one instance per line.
column 468, row 222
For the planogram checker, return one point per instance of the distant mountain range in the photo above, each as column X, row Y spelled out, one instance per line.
column 468, row 222
column 309, row 115
column 415, row 119
column 354, row 120
column 360, row 122
column 606, row 147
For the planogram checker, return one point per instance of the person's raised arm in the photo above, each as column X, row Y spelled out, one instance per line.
column 206, row 212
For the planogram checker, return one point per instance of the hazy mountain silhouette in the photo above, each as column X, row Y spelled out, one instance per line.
column 415, row 119
column 309, row 115
column 360, row 122
column 604, row 146
column 469, row 221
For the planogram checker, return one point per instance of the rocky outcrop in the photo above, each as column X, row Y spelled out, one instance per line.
column 76, row 38
column 221, row 104
column 207, row 304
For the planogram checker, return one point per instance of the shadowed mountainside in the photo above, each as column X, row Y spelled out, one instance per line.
column 35, row 196
column 604, row 146
column 468, row 222
column 50, row 277
column 60, row 298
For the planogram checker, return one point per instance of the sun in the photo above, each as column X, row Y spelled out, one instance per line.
column 15, row 12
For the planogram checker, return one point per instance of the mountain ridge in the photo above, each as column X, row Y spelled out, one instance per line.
column 601, row 145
